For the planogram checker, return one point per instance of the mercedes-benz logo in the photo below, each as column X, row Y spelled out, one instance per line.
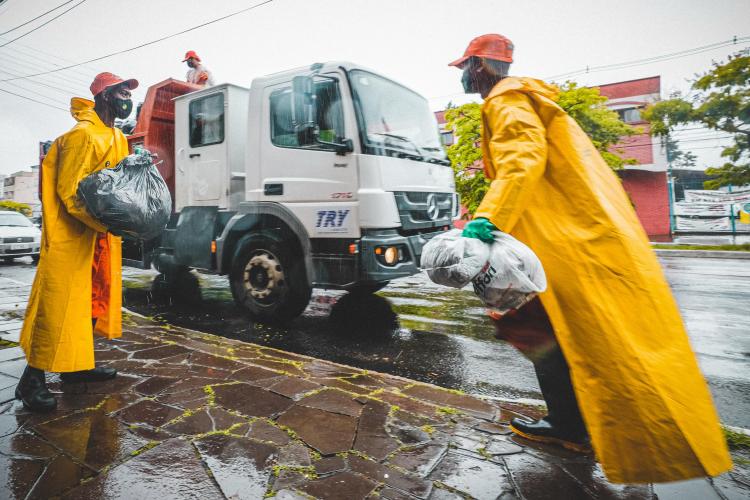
column 432, row 207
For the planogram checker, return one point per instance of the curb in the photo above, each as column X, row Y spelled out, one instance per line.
column 707, row 254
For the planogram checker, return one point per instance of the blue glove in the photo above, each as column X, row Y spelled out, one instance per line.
column 481, row 229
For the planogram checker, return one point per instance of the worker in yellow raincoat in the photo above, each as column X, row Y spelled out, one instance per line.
column 615, row 345
column 77, row 287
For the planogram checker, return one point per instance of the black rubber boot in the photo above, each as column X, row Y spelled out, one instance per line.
column 33, row 393
column 563, row 424
column 98, row 374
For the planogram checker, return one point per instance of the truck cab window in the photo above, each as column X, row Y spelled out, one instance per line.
column 207, row 121
column 329, row 117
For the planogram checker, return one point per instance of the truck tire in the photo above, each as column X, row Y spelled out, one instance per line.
column 268, row 278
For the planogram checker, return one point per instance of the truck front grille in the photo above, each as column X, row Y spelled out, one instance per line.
column 424, row 210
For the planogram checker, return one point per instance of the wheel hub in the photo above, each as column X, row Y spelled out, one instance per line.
column 263, row 275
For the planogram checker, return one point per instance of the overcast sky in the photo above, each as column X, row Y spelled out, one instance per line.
column 410, row 41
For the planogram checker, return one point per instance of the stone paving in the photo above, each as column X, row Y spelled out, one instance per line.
column 192, row 415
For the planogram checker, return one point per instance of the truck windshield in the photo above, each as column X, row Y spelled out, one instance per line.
column 396, row 121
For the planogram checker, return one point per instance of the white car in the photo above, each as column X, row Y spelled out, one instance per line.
column 19, row 237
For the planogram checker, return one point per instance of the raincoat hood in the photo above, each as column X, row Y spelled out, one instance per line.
column 526, row 85
column 83, row 111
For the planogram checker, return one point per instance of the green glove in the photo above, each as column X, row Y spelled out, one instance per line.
column 481, row 229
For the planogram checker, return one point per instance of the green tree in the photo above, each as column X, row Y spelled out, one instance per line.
column 720, row 101
column 585, row 105
column 677, row 157
column 16, row 207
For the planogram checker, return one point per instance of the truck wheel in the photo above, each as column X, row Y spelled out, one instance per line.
column 268, row 278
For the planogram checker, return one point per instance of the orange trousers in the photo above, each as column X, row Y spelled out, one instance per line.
column 100, row 277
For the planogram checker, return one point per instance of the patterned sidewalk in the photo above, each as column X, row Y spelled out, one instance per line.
column 193, row 415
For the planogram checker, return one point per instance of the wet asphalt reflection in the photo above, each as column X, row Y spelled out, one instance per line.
column 434, row 334
column 411, row 328
column 419, row 330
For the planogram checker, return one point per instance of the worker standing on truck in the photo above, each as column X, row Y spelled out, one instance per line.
column 198, row 74
column 606, row 337
column 77, row 288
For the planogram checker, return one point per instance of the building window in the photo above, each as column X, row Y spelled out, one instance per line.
column 329, row 117
column 207, row 121
column 630, row 115
column 447, row 138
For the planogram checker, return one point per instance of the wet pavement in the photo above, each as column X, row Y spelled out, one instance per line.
column 194, row 415
column 433, row 334
column 438, row 335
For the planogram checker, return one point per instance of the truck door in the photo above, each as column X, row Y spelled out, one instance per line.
column 202, row 163
column 318, row 185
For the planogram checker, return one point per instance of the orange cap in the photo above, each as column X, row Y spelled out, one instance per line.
column 491, row 46
column 191, row 53
column 104, row 80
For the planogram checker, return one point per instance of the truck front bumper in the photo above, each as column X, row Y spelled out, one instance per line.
column 373, row 267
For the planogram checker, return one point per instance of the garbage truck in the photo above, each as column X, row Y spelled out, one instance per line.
column 327, row 176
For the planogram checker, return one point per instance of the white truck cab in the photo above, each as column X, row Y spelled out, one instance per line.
column 327, row 176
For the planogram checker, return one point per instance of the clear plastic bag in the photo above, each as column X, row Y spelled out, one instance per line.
column 452, row 260
column 131, row 199
column 512, row 275
column 505, row 274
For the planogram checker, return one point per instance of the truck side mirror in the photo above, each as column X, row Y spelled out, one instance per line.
column 303, row 109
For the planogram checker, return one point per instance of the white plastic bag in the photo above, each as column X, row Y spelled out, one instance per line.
column 452, row 260
column 511, row 277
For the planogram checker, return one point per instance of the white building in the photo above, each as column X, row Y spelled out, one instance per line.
column 23, row 187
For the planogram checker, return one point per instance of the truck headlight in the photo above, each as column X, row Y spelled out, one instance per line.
column 391, row 255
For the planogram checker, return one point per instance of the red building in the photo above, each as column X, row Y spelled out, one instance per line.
column 646, row 180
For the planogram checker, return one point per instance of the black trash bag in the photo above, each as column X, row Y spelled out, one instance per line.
column 131, row 199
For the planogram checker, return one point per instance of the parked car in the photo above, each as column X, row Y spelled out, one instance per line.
column 19, row 237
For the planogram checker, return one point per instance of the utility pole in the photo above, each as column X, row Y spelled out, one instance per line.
column 670, row 190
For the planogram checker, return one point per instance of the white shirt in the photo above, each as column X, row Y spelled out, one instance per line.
column 194, row 76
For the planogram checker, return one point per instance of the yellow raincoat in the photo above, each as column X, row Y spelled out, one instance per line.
column 57, row 334
column 642, row 396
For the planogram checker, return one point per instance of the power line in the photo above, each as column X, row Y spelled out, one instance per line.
column 34, row 19
column 638, row 62
column 35, row 62
column 49, row 57
column 650, row 60
column 63, row 91
column 648, row 144
column 43, row 24
column 143, row 44
column 34, row 100
column 17, row 67
column 31, row 91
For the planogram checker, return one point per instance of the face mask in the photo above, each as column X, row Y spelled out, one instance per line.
column 122, row 107
column 468, row 82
